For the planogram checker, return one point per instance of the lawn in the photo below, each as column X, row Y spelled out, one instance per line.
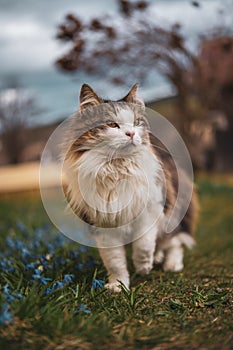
column 52, row 294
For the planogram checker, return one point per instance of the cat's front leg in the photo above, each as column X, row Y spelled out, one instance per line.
column 115, row 262
column 143, row 252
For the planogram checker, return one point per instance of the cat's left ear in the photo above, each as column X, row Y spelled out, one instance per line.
column 88, row 97
column 132, row 96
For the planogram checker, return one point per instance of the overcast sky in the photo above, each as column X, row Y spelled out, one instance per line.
column 28, row 27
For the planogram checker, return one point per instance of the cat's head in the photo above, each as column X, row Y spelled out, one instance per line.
column 118, row 125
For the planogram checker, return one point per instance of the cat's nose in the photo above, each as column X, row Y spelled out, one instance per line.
column 130, row 134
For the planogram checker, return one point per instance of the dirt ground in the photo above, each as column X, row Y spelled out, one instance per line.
column 26, row 177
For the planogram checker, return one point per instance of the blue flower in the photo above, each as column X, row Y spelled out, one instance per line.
column 68, row 278
column 21, row 227
column 19, row 246
column 79, row 266
column 6, row 289
column 19, row 296
column 25, row 253
column 5, row 315
column 96, row 284
column 59, row 284
column 10, row 296
column 5, row 265
column 45, row 280
column 10, row 243
column 83, row 308
column 48, row 291
column 30, row 265
column 36, row 276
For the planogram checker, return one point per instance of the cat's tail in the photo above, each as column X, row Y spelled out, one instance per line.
column 186, row 239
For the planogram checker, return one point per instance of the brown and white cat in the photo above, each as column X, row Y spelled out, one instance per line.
column 119, row 179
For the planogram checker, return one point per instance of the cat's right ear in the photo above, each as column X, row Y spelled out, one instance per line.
column 132, row 97
column 88, row 97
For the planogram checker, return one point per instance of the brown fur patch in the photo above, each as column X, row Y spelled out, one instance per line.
column 188, row 223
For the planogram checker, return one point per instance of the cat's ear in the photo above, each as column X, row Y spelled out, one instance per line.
column 132, row 96
column 88, row 97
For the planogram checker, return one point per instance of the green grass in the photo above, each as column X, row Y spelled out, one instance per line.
column 189, row 310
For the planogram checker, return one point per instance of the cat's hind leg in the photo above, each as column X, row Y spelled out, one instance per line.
column 174, row 256
column 170, row 251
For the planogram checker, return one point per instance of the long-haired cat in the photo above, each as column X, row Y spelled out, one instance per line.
column 123, row 183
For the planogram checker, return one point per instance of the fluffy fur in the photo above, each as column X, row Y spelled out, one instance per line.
column 123, row 182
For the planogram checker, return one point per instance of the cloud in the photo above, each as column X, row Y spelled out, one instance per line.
column 192, row 19
column 27, row 36
column 26, row 44
column 28, row 29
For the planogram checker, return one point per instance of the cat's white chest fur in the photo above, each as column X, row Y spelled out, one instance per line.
column 120, row 190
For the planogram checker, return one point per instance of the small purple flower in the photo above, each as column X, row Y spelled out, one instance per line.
column 96, row 284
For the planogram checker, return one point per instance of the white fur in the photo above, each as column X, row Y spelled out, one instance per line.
column 115, row 261
column 118, row 194
column 125, row 116
column 170, row 251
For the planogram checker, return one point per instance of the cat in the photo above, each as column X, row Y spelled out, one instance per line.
column 119, row 179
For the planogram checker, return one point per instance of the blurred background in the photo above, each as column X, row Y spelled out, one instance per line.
column 179, row 51
column 181, row 54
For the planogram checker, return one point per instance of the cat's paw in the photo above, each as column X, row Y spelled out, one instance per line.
column 115, row 287
column 173, row 266
column 159, row 257
column 144, row 269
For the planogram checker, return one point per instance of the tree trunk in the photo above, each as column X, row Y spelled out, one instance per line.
column 13, row 145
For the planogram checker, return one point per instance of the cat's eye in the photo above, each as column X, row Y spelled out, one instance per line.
column 113, row 125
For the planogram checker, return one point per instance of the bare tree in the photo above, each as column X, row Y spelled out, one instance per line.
column 135, row 45
column 17, row 106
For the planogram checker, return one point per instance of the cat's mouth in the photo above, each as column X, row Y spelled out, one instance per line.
column 130, row 144
column 133, row 142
